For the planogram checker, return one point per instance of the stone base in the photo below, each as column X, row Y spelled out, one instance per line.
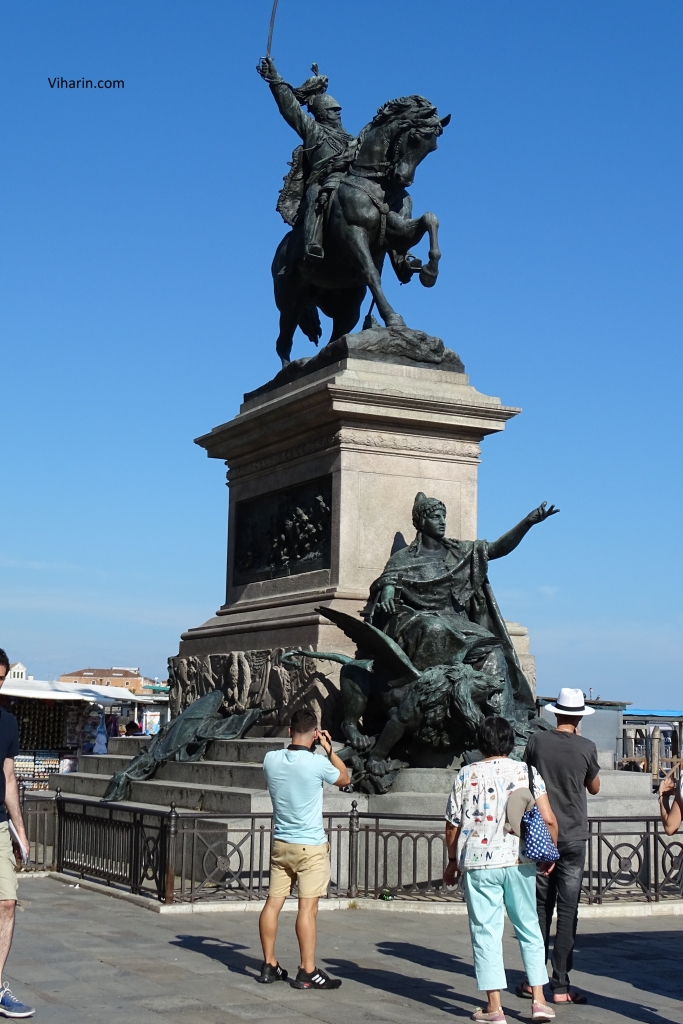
column 265, row 679
column 323, row 473
column 399, row 345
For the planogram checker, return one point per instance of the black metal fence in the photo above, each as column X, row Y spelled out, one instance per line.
column 632, row 858
column 128, row 849
column 186, row 857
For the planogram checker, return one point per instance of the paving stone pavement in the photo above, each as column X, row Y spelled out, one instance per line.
column 80, row 957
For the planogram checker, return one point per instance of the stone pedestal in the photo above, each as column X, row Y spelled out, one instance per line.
column 322, row 475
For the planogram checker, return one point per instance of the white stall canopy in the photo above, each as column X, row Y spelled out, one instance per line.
column 42, row 689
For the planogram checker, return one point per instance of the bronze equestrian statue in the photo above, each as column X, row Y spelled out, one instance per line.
column 348, row 205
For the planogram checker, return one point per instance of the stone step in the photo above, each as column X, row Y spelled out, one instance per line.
column 102, row 764
column 203, row 773
column 128, row 746
column 623, row 806
column 250, row 750
column 188, row 795
column 253, row 749
column 624, row 784
column 426, row 781
column 192, row 796
column 432, row 804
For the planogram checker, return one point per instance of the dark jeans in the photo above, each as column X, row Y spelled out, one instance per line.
column 561, row 886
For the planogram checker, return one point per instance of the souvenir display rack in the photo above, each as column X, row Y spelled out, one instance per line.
column 49, row 737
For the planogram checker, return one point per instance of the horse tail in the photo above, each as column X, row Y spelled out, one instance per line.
column 309, row 322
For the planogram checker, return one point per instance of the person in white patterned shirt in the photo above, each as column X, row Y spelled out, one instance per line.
column 497, row 875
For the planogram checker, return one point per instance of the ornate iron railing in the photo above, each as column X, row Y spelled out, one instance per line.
column 632, row 858
column 121, row 847
column 187, row 857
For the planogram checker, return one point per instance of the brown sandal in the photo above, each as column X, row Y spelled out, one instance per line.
column 570, row 997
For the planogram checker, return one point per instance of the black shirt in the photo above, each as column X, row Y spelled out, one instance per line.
column 9, row 747
column 566, row 762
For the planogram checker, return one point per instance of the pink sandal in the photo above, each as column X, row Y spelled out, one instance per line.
column 497, row 1017
column 540, row 1012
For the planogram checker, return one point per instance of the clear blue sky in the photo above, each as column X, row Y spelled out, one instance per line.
column 135, row 303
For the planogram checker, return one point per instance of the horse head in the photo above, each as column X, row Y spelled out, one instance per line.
column 399, row 137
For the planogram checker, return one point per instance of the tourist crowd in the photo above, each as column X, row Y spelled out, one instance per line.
column 516, row 833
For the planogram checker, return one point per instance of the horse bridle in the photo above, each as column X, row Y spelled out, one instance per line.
column 378, row 170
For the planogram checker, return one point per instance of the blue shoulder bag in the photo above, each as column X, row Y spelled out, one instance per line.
column 538, row 841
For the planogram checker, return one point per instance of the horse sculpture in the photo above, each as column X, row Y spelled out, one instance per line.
column 368, row 216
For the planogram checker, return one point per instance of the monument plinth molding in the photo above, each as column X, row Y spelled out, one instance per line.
column 336, row 455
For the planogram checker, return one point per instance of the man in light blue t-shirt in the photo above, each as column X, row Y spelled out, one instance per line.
column 295, row 779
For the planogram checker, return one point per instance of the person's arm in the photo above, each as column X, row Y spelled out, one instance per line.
column 287, row 103
column 454, row 813
column 12, row 800
column 548, row 816
column 452, row 870
column 509, row 541
column 592, row 780
column 326, row 743
column 540, row 792
column 672, row 814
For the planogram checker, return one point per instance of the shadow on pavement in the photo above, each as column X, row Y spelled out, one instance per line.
column 227, row 953
column 648, row 960
column 431, row 993
column 437, row 959
column 610, row 955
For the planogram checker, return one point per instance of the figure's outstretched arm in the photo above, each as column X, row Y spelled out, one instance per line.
column 288, row 105
column 509, row 541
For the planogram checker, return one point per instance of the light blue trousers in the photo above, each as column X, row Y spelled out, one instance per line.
column 487, row 892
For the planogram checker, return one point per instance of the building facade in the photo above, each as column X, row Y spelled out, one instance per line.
column 131, row 678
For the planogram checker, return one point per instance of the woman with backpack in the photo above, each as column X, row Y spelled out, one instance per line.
column 483, row 838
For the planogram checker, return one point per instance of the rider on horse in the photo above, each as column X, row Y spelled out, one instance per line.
column 321, row 162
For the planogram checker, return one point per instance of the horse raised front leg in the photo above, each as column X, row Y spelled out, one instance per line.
column 403, row 233
column 429, row 274
column 356, row 240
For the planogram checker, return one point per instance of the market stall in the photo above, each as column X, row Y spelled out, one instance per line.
column 57, row 721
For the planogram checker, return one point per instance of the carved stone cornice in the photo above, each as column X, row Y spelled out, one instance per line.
column 369, row 397
column 410, row 444
column 279, row 458
column 418, row 445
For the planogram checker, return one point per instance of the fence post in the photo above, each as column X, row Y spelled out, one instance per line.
column 170, row 853
column 655, row 756
column 59, row 825
column 27, row 824
column 354, row 830
column 135, row 851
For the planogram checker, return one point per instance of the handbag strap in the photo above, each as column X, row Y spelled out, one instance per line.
column 530, row 776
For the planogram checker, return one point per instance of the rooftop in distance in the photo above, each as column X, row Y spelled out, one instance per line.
column 131, row 678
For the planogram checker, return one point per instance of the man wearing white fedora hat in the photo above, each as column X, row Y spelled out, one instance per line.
column 569, row 765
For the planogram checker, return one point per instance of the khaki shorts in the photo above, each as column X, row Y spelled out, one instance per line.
column 309, row 865
column 8, row 865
